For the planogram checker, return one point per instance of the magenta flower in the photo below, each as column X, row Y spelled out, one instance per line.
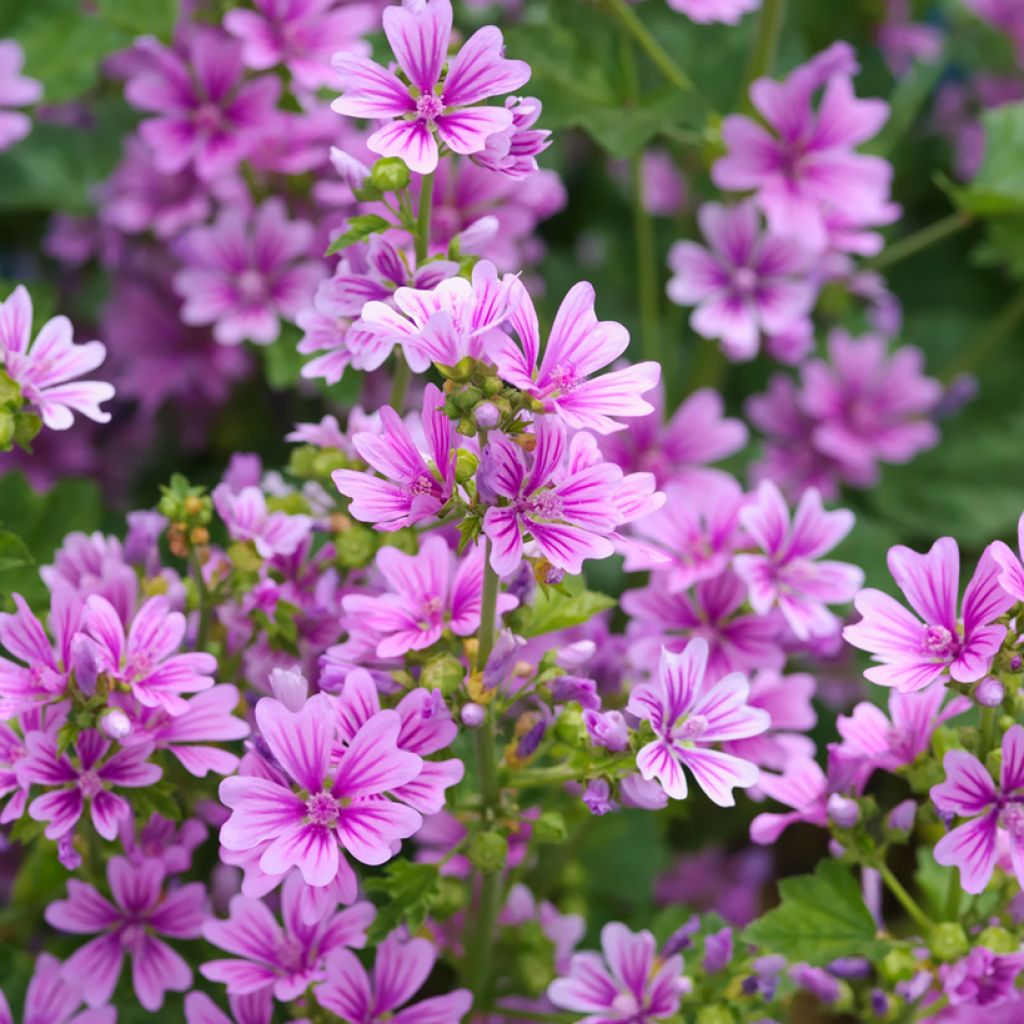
column 242, row 278
column 579, row 345
column 697, row 434
column 628, row 985
column 688, row 713
column 418, row 486
column 287, row 960
column 302, row 35
column 747, row 285
column 131, row 924
column 513, row 152
column 426, row 728
column 1011, row 576
column 86, row 777
column 728, row 12
column 913, row 653
column 399, row 972
column 969, row 792
column 44, row 676
column 252, row 1008
column 569, row 514
column 245, row 515
column 803, row 787
column 984, row 978
column 45, row 369
column 810, row 164
column 51, row 1000
column 145, row 659
column 787, row 573
column 16, row 90
column 869, row 407
column 454, row 319
column 346, row 809
column 428, row 593
column 196, row 735
column 207, row 115
column 431, row 104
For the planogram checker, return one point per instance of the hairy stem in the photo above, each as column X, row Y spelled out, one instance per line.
column 920, row 240
column 631, row 22
column 909, row 904
column 426, row 205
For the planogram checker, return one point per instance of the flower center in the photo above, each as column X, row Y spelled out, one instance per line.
column 132, row 936
column 545, row 505
column 90, row 784
column 564, row 379
column 423, row 484
column 290, row 953
column 429, row 106
column 940, row 642
column 625, row 1002
column 691, row 728
column 208, row 117
column 1013, row 820
column 250, row 285
column 322, row 809
column 744, row 279
column 430, row 611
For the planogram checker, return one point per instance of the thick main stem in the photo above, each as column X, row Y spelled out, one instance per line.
column 426, row 202
column 480, row 951
column 766, row 43
column 920, row 240
column 987, row 727
column 909, row 904
column 631, row 22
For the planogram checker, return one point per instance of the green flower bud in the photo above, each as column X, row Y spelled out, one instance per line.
column 467, row 398
column 493, row 386
column 389, row 174
column 445, row 673
column 465, row 465
column 355, row 548
column 550, row 828
column 999, row 940
column 569, row 727
column 8, row 429
column 244, row 557
column 898, row 965
column 404, row 540
column 488, row 851
column 948, row 941
column 26, row 426
column 451, row 897
column 715, row 1015
column 10, row 390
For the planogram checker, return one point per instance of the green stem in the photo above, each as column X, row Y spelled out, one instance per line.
column 929, row 1011
column 989, row 339
column 987, row 727
column 766, row 44
column 920, row 240
column 399, row 382
column 631, row 22
column 203, row 633
column 550, row 776
column 426, row 202
column 646, row 264
column 909, row 904
column 488, row 611
column 953, row 897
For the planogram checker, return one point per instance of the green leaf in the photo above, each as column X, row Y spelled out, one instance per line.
column 553, row 610
column 154, row 17
column 410, row 890
column 359, row 228
column 13, row 552
column 998, row 188
column 821, row 918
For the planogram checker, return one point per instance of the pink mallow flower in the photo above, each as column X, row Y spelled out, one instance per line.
column 578, row 346
column 570, row 513
column 787, row 572
column 427, row 594
column 1011, row 575
column 315, row 808
column 802, row 786
column 418, row 485
column 804, row 164
column 50, row 999
column 16, row 90
column 913, row 653
column 207, row 115
column 140, row 912
column 46, row 369
column 145, row 659
column 628, row 985
column 688, row 714
column 246, row 516
column 87, row 775
column 969, row 792
column 746, row 286
column 244, row 272
column 285, row 960
column 400, row 970
column 704, row 12
column 302, row 35
column 252, row 1008
column 435, row 101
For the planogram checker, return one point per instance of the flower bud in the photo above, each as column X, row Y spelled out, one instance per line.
column 715, row 1015
column 85, row 663
column 465, row 465
column 389, row 174
column 550, row 828
column 998, row 940
column 472, row 716
column 355, row 547
column 1015, row 663
column 115, row 724
column 990, row 692
column 445, row 673
column 488, row 851
column 7, row 429
column 487, row 415
column 598, row 797
column 607, row 729
column 842, row 811
column 289, row 686
column 901, row 817
column 948, row 941
column 502, row 658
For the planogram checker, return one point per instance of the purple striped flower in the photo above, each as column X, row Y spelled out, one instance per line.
column 16, row 90
column 50, row 999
